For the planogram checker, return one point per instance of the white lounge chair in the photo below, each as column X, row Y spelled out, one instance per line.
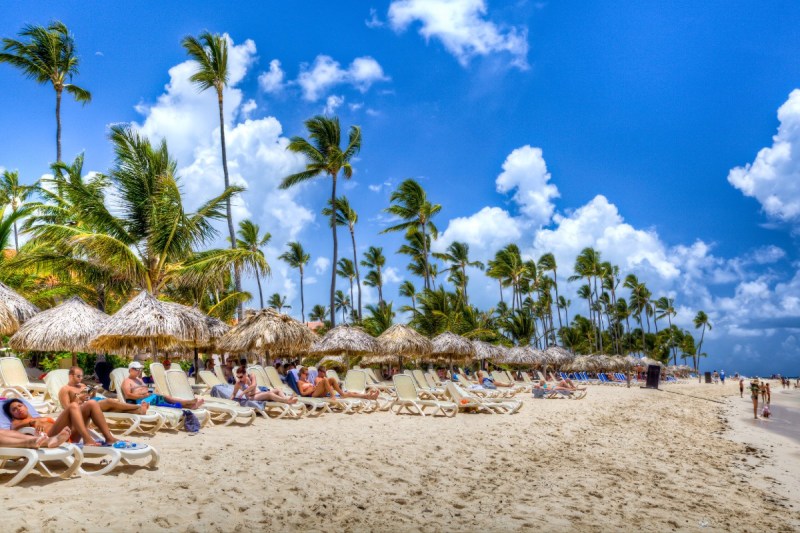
column 222, row 411
column 408, row 399
column 35, row 459
column 14, row 383
column 470, row 402
column 315, row 406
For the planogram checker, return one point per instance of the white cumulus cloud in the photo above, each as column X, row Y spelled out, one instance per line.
column 332, row 103
column 525, row 172
column 773, row 178
column 321, row 264
column 324, row 73
column 462, row 28
column 272, row 80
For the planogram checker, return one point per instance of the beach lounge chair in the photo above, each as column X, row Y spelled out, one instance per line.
column 173, row 417
column 470, row 402
column 14, row 383
column 503, row 377
column 424, row 389
column 408, row 399
column 348, row 406
column 356, row 381
column 125, row 423
column 269, row 377
column 68, row 455
column 222, row 411
column 374, row 383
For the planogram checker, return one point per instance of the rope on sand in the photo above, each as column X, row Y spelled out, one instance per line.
column 691, row 396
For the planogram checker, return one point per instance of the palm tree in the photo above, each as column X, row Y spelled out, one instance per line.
column 48, row 56
column 278, row 302
column 408, row 290
column 296, row 257
column 547, row 263
column 251, row 240
column 666, row 306
column 346, row 269
column 318, row 313
column 700, row 321
column 347, row 216
column 380, row 318
column 342, row 304
column 375, row 260
column 411, row 205
column 457, row 254
column 325, row 157
column 15, row 196
column 210, row 52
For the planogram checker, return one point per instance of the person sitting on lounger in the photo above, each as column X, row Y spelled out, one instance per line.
column 246, row 388
column 14, row 439
column 483, row 378
column 327, row 387
column 135, row 391
column 73, row 418
column 75, row 392
column 567, row 384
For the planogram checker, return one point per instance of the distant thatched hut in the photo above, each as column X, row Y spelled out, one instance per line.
column 14, row 310
column 402, row 341
column 269, row 333
column 345, row 340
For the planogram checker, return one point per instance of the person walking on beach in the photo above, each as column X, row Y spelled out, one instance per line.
column 754, row 390
column 769, row 393
column 741, row 387
column 715, row 376
column 722, row 376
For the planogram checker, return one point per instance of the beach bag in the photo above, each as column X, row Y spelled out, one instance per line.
column 190, row 421
column 765, row 413
column 539, row 392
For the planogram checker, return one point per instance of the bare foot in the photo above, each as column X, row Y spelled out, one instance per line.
column 291, row 400
column 61, row 438
column 143, row 408
column 199, row 403
column 37, row 441
column 112, row 440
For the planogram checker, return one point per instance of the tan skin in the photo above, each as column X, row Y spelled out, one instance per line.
column 14, row 439
column 134, row 389
column 481, row 375
column 74, row 417
column 249, row 388
column 74, row 392
column 328, row 387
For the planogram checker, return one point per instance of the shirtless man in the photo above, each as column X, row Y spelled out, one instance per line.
column 482, row 376
column 328, row 387
column 135, row 390
column 247, row 388
column 75, row 392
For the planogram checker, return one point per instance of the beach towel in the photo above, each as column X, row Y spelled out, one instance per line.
column 291, row 380
column 226, row 391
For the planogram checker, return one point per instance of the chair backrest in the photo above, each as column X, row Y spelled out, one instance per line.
column 178, row 385
column 419, row 377
column 261, row 377
column 158, row 373
column 498, row 376
column 510, row 376
column 455, row 392
column 273, row 377
column 371, row 374
column 405, row 388
column 219, row 373
column 429, row 380
column 12, row 372
column 332, row 374
column 118, row 376
column 210, row 378
column 356, row 381
column 526, row 378
column 55, row 380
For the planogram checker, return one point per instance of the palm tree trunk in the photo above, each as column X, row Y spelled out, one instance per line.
column 500, row 283
column 16, row 238
column 260, row 295
column 558, row 309
column 464, row 276
column 358, row 276
column 335, row 251
column 351, row 292
column 58, row 127
column 425, row 256
column 237, row 278
column 302, row 298
column 674, row 348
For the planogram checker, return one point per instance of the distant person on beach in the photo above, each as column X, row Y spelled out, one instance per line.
column 769, row 393
column 754, row 391
column 715, row 377
column 741, row 387
column 763, row 389
column 722, row 376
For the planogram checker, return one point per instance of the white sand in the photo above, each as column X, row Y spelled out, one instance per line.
column 621, row 459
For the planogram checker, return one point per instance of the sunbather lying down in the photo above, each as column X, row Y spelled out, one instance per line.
column 74, row 418
column 326, row 386
column 14, row 439
column 246, row 387
column 567, row 384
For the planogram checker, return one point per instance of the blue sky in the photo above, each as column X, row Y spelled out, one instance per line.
column 647, row 130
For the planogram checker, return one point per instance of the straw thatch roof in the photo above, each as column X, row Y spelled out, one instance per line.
column 523, row 355
column 401, row 340
column 557, row 356
column 65, row 328
column 267, row 331
column 14, row 310
column 145, row 323
column 195, row 322
column 454, row 346
column 346, row 340
column 485, row 350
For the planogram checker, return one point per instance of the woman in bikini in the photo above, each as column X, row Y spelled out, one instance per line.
column 72, row 418
column 755, row 389
column 328, row 387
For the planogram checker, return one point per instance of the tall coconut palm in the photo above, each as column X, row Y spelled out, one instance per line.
column 278, row 302
column 342, row 304
column 379, row 319
column 347, row 216
column 700, row 321
column 251, row 240
column 47, row 55
column 374, row 260
column 210, row 53
column 346, row 269
column 296, row 257
column 666, row 309
column 411, row 205
column 14, row 196
column 408, row 290
column 318, row 313
column 547, row 263
column 457, row 255
column 325, row 157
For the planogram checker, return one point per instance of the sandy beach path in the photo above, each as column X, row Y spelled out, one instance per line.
column 621, row 459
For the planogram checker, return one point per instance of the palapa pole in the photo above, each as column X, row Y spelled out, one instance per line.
column 196, row 364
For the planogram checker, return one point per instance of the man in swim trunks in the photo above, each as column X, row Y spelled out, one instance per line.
column 75, row 392
column 134, row 390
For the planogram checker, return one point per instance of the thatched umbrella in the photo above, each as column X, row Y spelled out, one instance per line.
column 65, row 328
column 402, row 341
column 14, row 310
column 204, row 329
column 452, row 346
column 346, row 340
column 147, row 323
column 266, row 331
column 485, row 350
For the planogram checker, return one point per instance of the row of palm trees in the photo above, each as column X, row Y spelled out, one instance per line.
column 78, row 245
